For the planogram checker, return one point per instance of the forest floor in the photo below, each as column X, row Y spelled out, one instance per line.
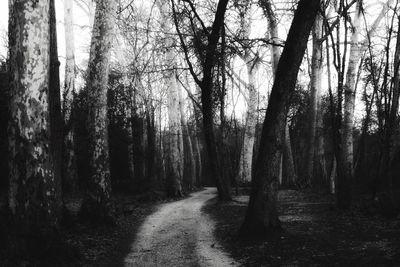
column 314, row 233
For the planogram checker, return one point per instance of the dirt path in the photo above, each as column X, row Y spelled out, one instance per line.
column 179, row 234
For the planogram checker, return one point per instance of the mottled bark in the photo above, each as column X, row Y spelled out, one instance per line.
column 246, row 157
column 97, row 201
column 33, row 193
column 262, row 214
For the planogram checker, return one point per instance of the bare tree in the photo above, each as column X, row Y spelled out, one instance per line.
column 207, row 87
column 262, row 215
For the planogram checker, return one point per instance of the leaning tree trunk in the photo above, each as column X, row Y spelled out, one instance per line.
column 262, row 215
column 70, row 168
column 96, row 205
column 269, row 13
column 33, row 193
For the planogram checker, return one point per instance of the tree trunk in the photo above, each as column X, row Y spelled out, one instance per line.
column 315, row 96
column 96, row 206
column 34, row 188
column 269, row 13
column 345, row 181
column 174, row 120
column 390, row 207
column 262, row 215
column 56, row 122
column 289, row 172
column 69, row 167
column 246, row 156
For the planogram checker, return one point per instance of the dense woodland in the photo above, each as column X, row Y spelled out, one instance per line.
column 176, row 95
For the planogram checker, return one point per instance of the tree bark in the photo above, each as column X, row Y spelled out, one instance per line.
column 262, row 215
column 34, row 188
column 96, row 206
column 269, row 13
column 246, row 157
column 252, row 64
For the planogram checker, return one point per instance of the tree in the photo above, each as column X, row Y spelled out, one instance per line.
column 314, row 139
column 174, row 101
column 206, row 85
column 343, row 123
column 286, row 159
column 252, row 64
column 262, row 216
column 96, row 204
column 34, row 193
column 69, row 168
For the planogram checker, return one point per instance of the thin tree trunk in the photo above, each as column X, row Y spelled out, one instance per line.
column 262, row 214
column 96, row 206
column 56, row 121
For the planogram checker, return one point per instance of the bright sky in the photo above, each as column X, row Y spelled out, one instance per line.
column 82, row 42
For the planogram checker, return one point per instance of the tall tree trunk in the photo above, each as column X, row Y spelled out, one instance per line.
column 96, row 205
column 207, row 86
column 345, row 180
column 34, row 188
column 174, row 120
column 269, row 13
column 391, row 208
column 315, row 95
column 69, row 167
column 346, row 162
column 262, row 215
column 56, row 122
column 246, row 156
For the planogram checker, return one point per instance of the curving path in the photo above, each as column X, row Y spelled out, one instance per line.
column 179, row 234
